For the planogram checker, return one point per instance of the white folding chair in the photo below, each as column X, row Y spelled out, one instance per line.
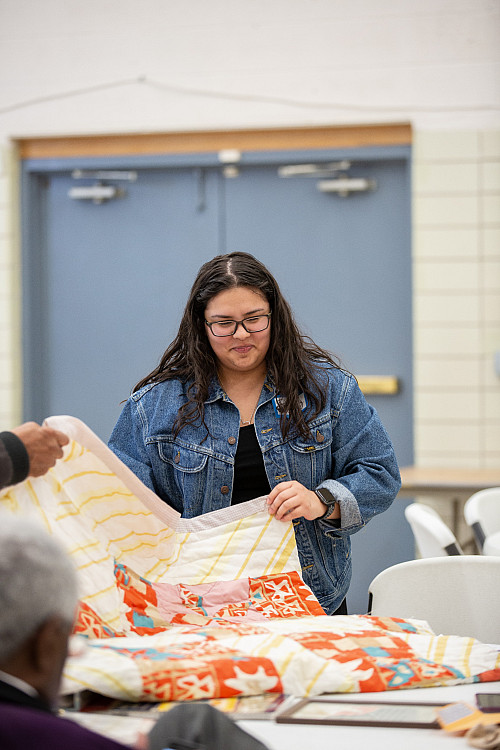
column 432, row 536
column 456, row 595
column 482, row 514
column 492, row 544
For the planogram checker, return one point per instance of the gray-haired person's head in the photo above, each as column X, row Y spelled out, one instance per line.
column 37, row 581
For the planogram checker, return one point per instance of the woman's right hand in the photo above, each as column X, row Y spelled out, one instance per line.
column 289, row 500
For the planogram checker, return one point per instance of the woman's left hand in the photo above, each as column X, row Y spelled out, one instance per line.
column 289, row 500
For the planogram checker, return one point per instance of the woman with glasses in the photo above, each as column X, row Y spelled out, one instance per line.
column 243, row 405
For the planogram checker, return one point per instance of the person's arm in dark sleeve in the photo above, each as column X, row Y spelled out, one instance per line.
column 14, row 459
column 29, row 450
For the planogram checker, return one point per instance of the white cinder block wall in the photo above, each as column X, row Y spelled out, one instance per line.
column 456, row 264
column 120, row 66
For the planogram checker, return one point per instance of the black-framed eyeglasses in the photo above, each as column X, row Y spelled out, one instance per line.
column 254, row 324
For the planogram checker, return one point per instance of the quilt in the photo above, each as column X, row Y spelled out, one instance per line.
column 212, row 607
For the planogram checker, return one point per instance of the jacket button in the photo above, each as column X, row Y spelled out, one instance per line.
column 224, row 489
column 231, row 440
column 320, row 437
column 177, row 458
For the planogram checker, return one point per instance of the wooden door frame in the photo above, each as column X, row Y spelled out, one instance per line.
column 140, row 144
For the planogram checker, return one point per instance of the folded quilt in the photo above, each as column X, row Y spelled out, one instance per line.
column 215, row 606
column 300, row 656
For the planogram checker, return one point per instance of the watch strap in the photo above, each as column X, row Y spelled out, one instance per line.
column 327, row 499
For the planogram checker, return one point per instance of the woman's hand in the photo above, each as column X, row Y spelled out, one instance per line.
column 289, row 500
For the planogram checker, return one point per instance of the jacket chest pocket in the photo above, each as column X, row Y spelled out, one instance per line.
column 311, row 457
column 184, row 474
column 181, row 458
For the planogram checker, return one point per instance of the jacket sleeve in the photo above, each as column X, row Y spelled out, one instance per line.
column 365, row 475
column 6, row 468
column 127, row 442
column 14, row 460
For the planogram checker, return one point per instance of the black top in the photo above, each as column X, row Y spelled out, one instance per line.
column 250, row 478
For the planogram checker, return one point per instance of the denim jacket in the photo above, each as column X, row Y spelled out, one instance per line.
column 348, row 452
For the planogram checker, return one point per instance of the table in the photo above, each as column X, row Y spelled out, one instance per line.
column 446, row 482
column 453, row 485
column 304, row 736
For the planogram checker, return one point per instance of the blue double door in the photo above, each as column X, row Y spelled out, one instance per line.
column 106, row 284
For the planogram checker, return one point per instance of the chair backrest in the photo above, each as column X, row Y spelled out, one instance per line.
column 432, row 536
column 482, row 514
column 456, row 595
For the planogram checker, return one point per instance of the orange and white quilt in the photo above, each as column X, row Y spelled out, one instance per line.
column 215, row 606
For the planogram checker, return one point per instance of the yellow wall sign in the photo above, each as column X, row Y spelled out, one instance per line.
column 378, row 384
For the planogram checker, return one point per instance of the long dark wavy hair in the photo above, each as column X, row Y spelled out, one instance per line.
column 292, row 359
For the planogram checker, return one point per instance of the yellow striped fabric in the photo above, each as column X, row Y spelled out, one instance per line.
column 101, row 512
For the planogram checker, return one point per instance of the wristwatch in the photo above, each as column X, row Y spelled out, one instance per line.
column 327, row 498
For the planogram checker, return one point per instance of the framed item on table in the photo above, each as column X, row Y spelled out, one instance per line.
column 361, row 713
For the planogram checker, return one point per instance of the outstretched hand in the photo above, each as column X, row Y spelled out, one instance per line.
column 43, row 445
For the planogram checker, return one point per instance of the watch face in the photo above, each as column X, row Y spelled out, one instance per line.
column 326, row 496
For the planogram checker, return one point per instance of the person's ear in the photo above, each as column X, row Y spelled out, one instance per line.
column 51, row 644
column 49, row 651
